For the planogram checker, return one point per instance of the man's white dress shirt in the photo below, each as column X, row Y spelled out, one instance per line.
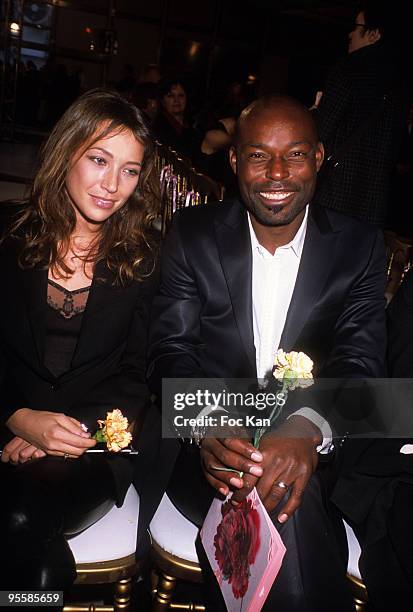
column 273, row 282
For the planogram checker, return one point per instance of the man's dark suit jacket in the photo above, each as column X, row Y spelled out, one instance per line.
column 202, row 315
column 109, row 362
column 202, row 322
column 359, row 184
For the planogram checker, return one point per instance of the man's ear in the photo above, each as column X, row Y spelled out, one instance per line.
column 319, row 155
column 233, row 159
column 373, row 36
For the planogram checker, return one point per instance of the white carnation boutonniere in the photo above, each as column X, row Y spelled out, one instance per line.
column 292, row 370
column 114, row 431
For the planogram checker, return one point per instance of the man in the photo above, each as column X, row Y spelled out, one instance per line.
column 241, row 279
column 378, row 473
column 145, row 97
column 360, row 119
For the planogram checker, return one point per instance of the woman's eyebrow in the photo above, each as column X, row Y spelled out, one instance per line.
column 136, row 163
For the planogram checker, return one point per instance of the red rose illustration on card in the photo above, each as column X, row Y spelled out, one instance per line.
column 245, row 551
column 237, row 542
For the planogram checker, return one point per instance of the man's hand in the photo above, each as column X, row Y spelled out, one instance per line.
column 289, row 457
column 236, row 453
column 52, row 432
column 19, row 451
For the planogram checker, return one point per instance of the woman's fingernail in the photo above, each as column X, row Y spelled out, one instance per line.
column 83, row 426
column 234, row 503
column 256, row 456
column 236, row 482
column 223, row 491
column 255, row 470
column 282, row 518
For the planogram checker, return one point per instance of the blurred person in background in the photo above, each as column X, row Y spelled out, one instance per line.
column 361, row 115
column 215, row 148
column 146, row 97
column 172, row 126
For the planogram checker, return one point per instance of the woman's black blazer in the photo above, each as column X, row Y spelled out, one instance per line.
column 108, row 365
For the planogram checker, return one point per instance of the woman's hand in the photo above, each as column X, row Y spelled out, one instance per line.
column 19, row 451
column 52, row 432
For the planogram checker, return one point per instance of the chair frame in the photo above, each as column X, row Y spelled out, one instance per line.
column 118, row 572
column 359, row 592
column 399, row 254
column 167, row 569
column 192, row 188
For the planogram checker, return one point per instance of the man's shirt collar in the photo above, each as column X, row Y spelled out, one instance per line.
column 296, row 244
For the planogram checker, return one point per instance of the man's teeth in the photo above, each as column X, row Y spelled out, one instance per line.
column 275, row 195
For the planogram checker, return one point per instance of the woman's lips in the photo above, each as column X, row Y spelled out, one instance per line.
column 102, row 202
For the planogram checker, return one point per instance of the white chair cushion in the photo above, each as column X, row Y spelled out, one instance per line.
column 354, row 552
column 112, row 537
column 173, row 532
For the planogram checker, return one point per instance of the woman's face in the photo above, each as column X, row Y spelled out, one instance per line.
column 174, row 102
column 103, row 178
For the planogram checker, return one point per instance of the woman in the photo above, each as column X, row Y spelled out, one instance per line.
column 171, row 126
column 78, row 263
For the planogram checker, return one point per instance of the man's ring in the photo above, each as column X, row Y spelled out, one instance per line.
column 281, row 484
column 65, row 456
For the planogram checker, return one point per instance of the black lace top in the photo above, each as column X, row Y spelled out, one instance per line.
column 64, row 320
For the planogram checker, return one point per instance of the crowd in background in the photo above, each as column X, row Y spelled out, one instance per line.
column 372, row 173
column 372, row 169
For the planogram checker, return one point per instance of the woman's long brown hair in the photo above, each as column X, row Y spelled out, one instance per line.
column 48, row 220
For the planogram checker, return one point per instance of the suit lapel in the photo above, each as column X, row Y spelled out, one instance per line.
column 234, row 246
column 96, row 315
column 35, row 294
column 35, row 289
column 316, row 263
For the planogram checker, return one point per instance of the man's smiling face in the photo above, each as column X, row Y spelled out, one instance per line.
column 276, row 159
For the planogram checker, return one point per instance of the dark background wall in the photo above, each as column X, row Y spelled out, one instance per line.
column 271, row 45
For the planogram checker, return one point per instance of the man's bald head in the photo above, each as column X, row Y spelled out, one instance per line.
column 277, row 105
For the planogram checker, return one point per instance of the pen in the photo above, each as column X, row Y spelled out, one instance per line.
column 124, row 451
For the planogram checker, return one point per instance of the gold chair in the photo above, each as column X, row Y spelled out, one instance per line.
column 105, row 553
column 357, row 586
column 399, row 258
column 174, row 557
column 182, row 185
